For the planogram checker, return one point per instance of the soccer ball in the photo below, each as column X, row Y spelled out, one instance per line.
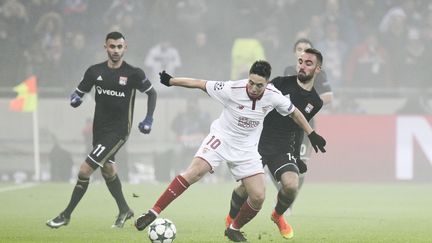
column 162, row 231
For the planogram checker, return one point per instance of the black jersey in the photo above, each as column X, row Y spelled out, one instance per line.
column 114, row 95
column 281, row 134
column 321, row 84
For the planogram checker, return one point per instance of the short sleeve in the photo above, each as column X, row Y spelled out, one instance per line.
column 87, row 81
column 284, row 105
column 219, row 90
column 143, row 83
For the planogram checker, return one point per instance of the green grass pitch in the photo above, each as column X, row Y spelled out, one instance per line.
column 324, row 212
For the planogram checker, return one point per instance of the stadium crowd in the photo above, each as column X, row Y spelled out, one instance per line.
column 371, row 44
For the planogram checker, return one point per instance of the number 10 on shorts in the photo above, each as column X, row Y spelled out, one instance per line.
column 213, row 142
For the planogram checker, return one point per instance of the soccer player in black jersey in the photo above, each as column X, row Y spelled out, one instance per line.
column 115, row 83
column 322, row 87
column 281, row 138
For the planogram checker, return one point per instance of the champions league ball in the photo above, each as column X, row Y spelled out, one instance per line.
column 162, row 231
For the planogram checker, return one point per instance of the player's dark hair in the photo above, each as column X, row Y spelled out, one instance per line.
column 114, row 35
column 317, row 53
column 302, row 40
column 261, row 68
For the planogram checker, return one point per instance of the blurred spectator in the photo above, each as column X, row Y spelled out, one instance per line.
column 244, row 52
column 367, row 15
column 269, row 37
column 393, row 31
column 313, row 31
column 49, row 50
column 426, row 29
column 415, row 69
column 199, row 57
column 162, row 56
column 190, row 127
column 191, row 12
column 74, row 12
column 416, row 61
column 335, row 50
column 368, row 64
column 14, row 38
column 77, row 48
column 339, row 13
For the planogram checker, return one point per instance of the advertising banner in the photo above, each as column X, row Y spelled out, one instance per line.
column 373, row 148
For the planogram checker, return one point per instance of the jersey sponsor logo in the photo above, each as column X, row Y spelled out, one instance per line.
column 123, row 80
column 99, row 78
column 218, row 85
column 247, row 122
column 109, row 92
column 309, row 108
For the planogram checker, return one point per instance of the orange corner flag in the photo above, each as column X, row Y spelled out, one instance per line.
column 26, row 100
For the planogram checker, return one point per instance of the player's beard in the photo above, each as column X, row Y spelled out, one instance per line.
column 302, row 77
column 115, row 58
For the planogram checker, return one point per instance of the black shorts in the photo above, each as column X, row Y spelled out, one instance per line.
column 279, row 164
column 104, row 149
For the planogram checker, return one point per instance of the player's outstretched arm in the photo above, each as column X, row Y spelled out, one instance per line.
column 299, row 118
column 316, row 140
column 168, row 80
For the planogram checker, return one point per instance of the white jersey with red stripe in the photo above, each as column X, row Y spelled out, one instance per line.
column 241, row 121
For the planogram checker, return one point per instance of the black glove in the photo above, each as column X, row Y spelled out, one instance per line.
column 75, row 99
column 145, row 125
column 301, row 166
column 165, row 78
column 317, row 142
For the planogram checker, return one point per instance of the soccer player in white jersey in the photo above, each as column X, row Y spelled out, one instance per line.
column 233, row 139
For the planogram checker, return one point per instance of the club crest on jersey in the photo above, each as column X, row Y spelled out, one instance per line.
column 122, row 80
column 309, row 108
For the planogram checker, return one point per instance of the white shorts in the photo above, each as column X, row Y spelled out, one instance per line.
column 241, row 163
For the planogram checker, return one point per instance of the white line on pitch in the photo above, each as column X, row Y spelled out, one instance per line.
column 15, row 188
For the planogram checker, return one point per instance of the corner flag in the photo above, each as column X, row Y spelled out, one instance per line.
column 26, row 100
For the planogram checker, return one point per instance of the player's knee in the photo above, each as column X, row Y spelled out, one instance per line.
column 257, row 199
column 289, row 179
column 290, row 189
column 108, row 172
column 85, row 170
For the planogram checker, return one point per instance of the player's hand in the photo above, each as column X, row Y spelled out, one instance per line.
column 317, row 142
column 75, row 99
column 165, row 78
column 145, row 125
column 301, row 166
